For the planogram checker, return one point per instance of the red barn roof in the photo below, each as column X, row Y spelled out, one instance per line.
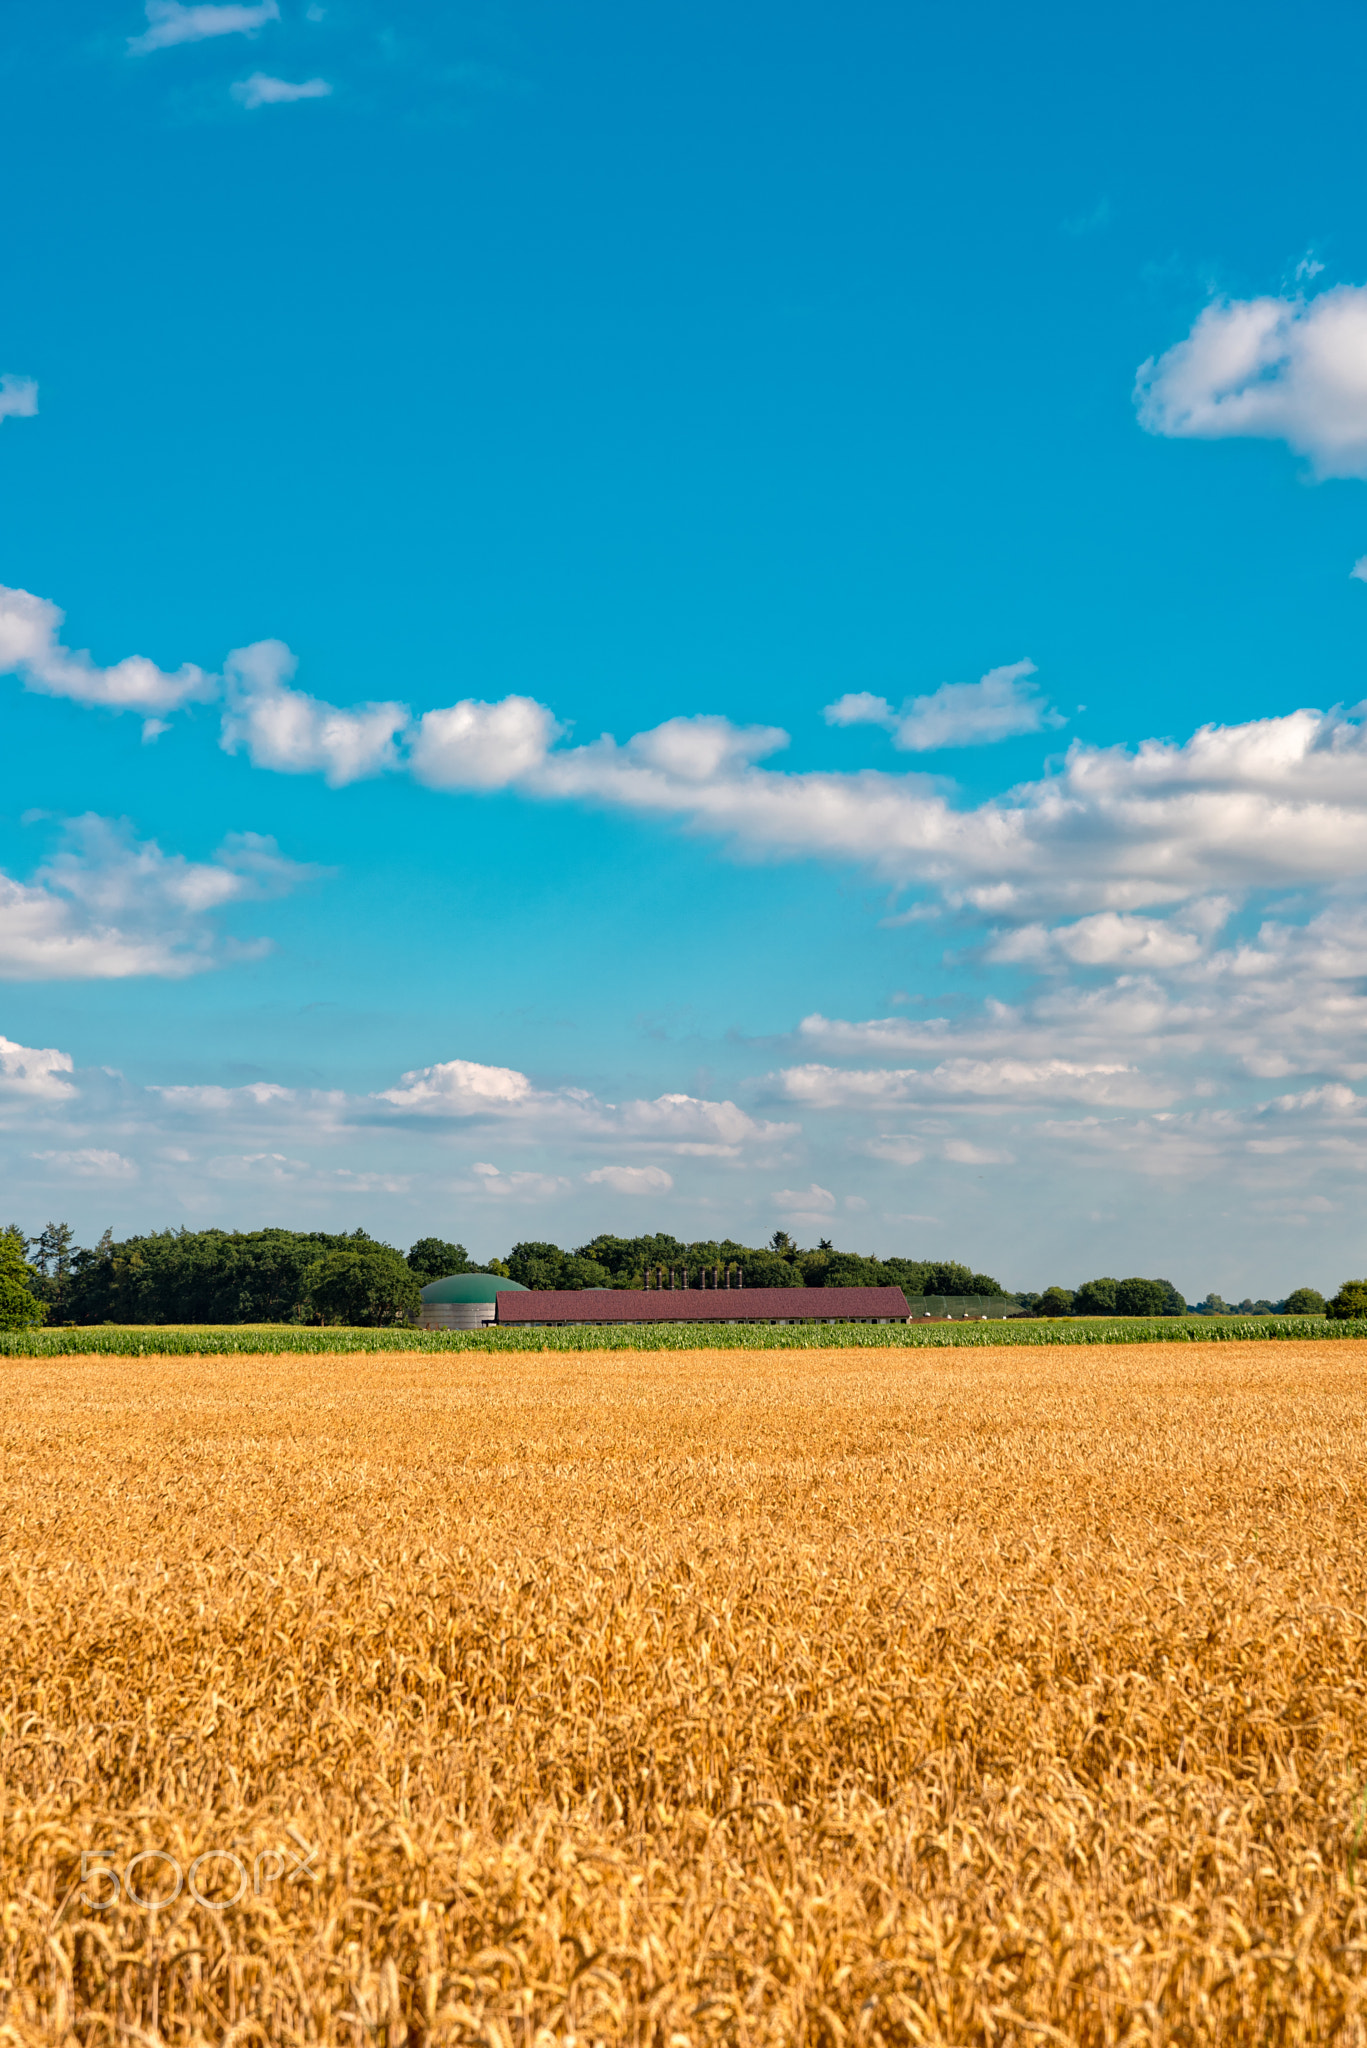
column 704, row 1305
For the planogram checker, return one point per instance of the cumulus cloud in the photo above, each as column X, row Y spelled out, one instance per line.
column 631, row 1180
column 260, row 90
column 481, row 746
column 460, row 1088
column 106, row 905
column 169, row 23
column 1277, row 369
column 25, row 1070
column 1003, row 704
column 31, row 649
column 18, row 398
column 295, row 734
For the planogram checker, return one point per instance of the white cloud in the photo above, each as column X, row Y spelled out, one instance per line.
column 1275, row 802
column 1001, row 705
column 295, row 734
column 30, row 649
column 1272, row 803
column 170, row 23
column 460, row 1088
column 1005, row 1079
column 689, row 1126
column 1110, row 939
column 897, row 1150
column 960, row 1153
column 1292, row 370
column 18, row 398
column 810, row 1201
column 107, row 905
column 260, row 90
column 39, row 1074
column 90, row 1163
column 686, row 1125
column 490, row 1181
column 631, row 1180
column 481, row 746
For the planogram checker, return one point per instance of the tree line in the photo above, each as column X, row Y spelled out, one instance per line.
column 282, row 1276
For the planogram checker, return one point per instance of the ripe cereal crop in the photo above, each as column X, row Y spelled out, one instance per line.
column 976, row 1695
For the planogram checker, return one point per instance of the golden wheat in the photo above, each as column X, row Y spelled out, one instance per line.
column 961, row 1697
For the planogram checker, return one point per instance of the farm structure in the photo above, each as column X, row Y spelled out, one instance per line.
column 464, row 1301
column 704, row 1305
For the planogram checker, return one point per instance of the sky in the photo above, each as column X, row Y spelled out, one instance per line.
column 709, row 620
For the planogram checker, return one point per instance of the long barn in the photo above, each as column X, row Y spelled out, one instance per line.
column 700, row 1305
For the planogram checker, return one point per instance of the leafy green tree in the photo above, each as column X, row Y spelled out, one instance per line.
column 581, row 1272
column 765, row 1268
column 984, row 1284
column 536, row 1263
column 201, row 1276
column 1213, row 1305
column 847, row 1269
column 1056, row 1301
column 1174, row 1301
column 1349, row 1305
column 432, row 1258
column 1140, row 1297
column 362, row 1286
column 20, row 1307
column 1304, row 1301
column 913, row 1276
column 950, row 1278
column 53, row 1253
column 781, row 1243
column 1095, row 1298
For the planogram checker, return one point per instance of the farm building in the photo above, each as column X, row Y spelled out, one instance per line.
column 703, row 1305
column 465, row 1301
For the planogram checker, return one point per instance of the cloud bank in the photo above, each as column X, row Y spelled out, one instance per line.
column 1272, row 803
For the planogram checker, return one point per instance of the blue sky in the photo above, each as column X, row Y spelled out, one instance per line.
column 765, row 389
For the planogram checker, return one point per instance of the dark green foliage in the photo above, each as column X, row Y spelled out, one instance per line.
column 1350, row 1303
column 200, row 1276
column 20, row 1308
column 361, row 1286
column 53, row 1254
column 540, row 1265
column 1304, row 1301
column 1056, row 1301
column 432, row 1258
column 1095, row 1298
column 1140, row 1298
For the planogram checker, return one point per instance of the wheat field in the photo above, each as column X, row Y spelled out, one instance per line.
column 759, row 1697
